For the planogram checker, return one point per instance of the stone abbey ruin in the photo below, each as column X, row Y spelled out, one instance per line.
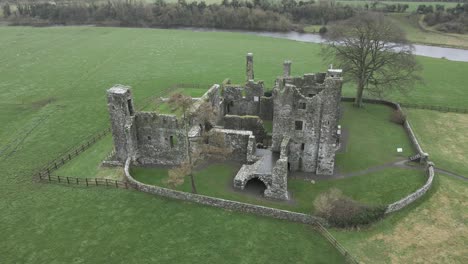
column 304, row 112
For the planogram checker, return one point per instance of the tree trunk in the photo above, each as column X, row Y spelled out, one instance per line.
column 360, row 90
column 192, row 178
column 189, row 154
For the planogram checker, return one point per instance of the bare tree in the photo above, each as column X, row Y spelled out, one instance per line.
column 204, row 114
column 373, row 52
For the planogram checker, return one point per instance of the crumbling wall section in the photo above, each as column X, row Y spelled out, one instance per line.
column 237, row 141
column 250, row 123
column 240, row 100
column 279, row 177
column 328, row 142
column 161, row 139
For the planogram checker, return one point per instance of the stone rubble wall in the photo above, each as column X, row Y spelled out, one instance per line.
column 221, row 203
column 398, row 205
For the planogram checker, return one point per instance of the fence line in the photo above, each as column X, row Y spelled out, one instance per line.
column 435, row 107
column 46, row 176
column 330, row 238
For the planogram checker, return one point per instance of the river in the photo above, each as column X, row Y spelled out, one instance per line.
column 421, row 50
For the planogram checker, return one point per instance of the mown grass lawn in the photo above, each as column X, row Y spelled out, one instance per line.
column 377, row 188
column 53, row 82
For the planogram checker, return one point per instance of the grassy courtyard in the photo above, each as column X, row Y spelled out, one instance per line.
column 376, row 188
column 53, row 83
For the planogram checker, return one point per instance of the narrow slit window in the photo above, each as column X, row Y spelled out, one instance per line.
column 299, row 125
column 130, row 106
column 171, row 141
column 302, row 146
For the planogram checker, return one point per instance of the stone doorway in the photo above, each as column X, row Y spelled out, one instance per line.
column 255, row 186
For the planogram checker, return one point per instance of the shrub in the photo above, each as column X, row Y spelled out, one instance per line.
column 398, row 117
column 342, row 211
column 323, row 30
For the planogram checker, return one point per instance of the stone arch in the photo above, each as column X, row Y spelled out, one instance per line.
column 265, row 179
column 255, row 185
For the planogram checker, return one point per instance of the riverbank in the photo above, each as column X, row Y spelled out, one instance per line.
column 418, row 33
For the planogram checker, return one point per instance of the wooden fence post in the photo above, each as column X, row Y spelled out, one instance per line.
column 68, row 180
column 116, row 184
column 58, row 178
column 86, row 179
column 95, row 179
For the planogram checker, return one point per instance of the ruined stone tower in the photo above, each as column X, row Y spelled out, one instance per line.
column 306, row 109
column 120, row 104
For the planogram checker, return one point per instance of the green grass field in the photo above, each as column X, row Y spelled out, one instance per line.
column 53, row 83
column 376, row 188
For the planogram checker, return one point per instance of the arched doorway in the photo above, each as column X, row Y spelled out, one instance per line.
column 255, row 186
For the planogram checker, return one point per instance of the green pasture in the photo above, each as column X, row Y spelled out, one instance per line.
column 53, row 83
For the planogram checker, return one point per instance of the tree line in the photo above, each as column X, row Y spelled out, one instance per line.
column 248, row 15
column 448, row 20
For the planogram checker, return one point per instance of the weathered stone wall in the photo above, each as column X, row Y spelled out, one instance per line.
column 235, row 140
column 120, row 105
column 160, row 138
column 221, row 203
column 307, row 108
column 240, row 100
column 415, row 195
column 279, row 176
column 249, row 123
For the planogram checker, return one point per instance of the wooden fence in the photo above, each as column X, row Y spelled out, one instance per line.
column 83, row 181
column 330, row 238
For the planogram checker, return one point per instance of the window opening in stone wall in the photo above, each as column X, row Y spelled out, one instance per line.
column 130, row 106
column 302, row 105
column 149, row 138
column 298, row 125
column 171, row 139
column 302, row 146
column 311, row 95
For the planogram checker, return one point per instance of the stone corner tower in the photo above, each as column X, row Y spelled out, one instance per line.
column 121, row 110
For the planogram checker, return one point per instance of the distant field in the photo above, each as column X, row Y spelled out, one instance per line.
column 443, row 136
column 412, row 5
column 53, row 82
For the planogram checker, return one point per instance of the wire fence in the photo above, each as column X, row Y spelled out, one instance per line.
column 327, row 235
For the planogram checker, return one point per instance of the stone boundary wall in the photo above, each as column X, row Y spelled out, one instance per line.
column 398, row 205
column 221, row 203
